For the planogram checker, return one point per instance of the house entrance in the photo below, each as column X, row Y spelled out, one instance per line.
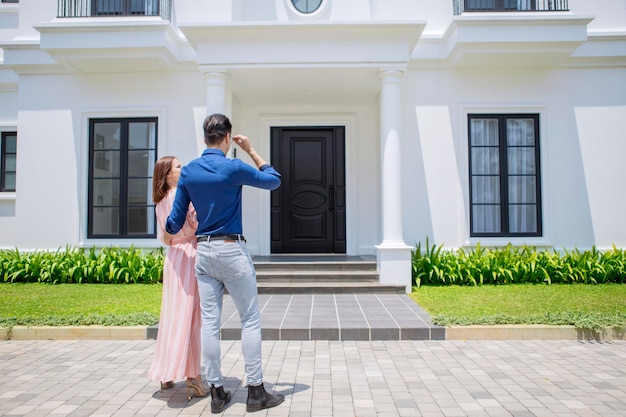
column 309, row 208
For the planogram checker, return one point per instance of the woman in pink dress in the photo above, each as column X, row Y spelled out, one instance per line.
column 177, row 353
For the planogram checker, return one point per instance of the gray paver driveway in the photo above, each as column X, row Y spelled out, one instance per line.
column 327, row 378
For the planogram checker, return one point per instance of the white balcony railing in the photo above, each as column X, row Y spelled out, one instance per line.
column 97, row 8
column 465, row 6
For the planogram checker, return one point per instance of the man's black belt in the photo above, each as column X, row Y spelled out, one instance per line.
column 230, row 238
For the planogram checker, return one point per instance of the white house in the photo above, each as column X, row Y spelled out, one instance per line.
column 463, row 121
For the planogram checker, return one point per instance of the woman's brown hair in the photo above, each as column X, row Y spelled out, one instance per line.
column 159, row 178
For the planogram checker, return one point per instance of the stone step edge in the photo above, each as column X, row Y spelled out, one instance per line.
column 315, row 273
column 286, row 266
column 495, row 332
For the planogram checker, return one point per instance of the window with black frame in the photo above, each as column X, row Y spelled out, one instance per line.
column 122, row 154
column 8, row 161
column 505, row 180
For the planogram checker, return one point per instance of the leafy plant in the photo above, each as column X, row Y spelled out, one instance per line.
column 76, row 265
column 515, row 265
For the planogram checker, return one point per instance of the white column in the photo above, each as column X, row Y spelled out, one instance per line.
column 218, row 97
column 393, row 255
column 216, row 92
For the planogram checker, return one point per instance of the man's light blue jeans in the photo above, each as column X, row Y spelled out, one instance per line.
column 220, row 265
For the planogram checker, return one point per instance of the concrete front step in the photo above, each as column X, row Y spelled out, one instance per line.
column 320, row 275
column 316, row 266
column 317, row 276
column 339, row 287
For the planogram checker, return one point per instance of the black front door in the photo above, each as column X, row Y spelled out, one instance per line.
column 309, row 208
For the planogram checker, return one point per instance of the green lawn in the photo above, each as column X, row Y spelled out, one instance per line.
column 526, row 304
column 521, row 299
column 64, row 304
column 140, row 304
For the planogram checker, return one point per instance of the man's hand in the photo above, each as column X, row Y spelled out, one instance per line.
column 167, row 238
column 243, row 142
column 245, row 145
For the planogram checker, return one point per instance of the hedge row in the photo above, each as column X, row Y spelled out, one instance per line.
column 109, row 265
column 431, row 266
column 516, row 265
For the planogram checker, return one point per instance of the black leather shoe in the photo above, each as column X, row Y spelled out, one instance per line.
column 259, row 399
column 219, row 398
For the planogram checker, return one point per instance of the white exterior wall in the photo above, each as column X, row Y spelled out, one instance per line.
column 53, row 143
column 568, row 67
column 9, row 22
column 580, row 151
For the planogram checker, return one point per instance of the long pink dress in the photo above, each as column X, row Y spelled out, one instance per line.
column 178, row 340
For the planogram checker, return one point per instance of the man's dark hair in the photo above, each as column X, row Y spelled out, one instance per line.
column 216, row 127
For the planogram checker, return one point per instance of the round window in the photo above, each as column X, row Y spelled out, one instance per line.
column 306, row 6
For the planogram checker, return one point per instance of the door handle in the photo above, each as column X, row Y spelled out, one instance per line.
column 331, row 197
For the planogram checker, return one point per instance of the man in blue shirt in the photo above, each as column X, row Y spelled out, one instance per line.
column 213, row 183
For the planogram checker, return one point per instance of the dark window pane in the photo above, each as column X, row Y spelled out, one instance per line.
column 140, row 163
column 484, row 132
column 9, row 162
column 106, row 192
column 522, row 190
column 523, row 4
column 142, row 135
column 139, row 191
column 9, row 181
column 486, row 219
column 10, row 143
column 106, row 221
column 109, row 6
column 485, row 161
column 106, row 164
column 486, row 190
column 521, row 161
column 522, row 218
column 107, row 136
column 140, row 220
column 520, row 132
column 151, row 7
column 511, row 4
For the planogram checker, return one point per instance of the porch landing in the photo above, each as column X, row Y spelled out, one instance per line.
column 330, row 297
column 336, row 317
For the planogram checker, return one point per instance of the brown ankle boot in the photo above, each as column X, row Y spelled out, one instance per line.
column 259, row 399
column 219, row 398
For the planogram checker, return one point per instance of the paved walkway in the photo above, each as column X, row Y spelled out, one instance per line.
column 336, row 317
column 327, row 378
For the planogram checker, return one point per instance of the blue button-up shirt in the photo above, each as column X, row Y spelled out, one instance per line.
column 213, row 184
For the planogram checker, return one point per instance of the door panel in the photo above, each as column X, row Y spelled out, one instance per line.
column 308, row 210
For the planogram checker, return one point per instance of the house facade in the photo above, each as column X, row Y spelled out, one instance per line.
column 392, row 121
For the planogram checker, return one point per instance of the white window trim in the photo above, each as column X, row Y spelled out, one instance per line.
column 462, row 144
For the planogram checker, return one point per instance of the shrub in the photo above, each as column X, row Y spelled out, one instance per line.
column 515, row 265
column 112, row 265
